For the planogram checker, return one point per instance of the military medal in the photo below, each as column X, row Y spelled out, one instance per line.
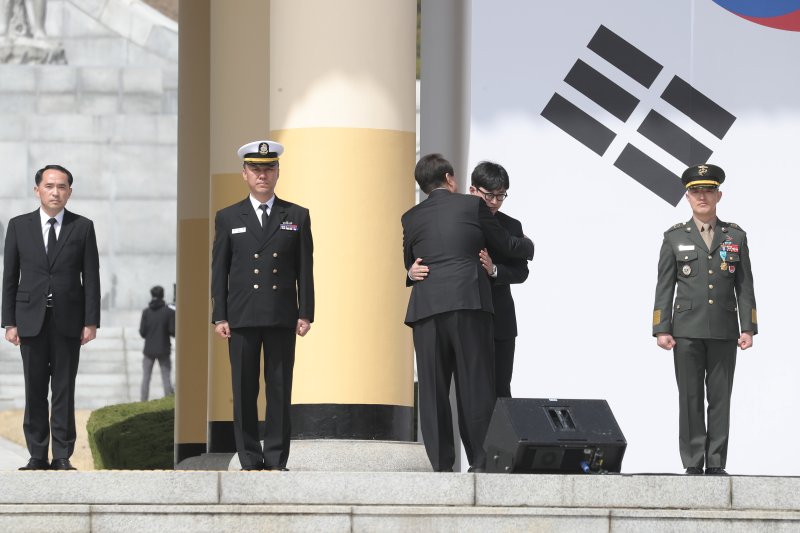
column 723, row 254
column 731, row 269
column 723, row 266
column 687, row 270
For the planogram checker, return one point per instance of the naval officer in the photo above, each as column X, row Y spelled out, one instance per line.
column 708, row 261
column 262, row 290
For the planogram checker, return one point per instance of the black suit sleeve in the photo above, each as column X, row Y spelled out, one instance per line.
column 305, row 274
column 10, row 276
column 220, row 268
column 408, row 255
column 499, row 239
column 513, row 270
column 91, row 278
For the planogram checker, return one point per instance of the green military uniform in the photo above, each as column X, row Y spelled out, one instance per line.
column 712, row 285
column 714, row 288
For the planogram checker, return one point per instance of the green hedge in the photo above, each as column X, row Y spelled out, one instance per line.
column 133, row 436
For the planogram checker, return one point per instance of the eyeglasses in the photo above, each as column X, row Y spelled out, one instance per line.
column 492, row 196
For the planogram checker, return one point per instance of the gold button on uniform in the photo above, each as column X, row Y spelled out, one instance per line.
column 255, row 271
column 711, row 272
column 678, row 306
column 255, row 256
column 710, row 256
column 711, row 302
column 274, row 270
column 275, row 254
column 274, row 287
column 255, row 286
column 710, row 286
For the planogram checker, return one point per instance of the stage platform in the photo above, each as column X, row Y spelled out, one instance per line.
column 412, row 501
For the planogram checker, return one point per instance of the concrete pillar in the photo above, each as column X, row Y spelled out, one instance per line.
column 444, row 83
column 342, row 101
column 193, row 263
column 239, row 113
column 333, row 82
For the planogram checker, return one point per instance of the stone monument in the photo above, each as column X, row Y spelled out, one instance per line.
column 23, row 39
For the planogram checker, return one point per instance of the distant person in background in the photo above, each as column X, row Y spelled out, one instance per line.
column 490, row 182
column 157, row 326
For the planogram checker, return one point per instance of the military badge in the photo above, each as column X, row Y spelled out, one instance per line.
column 732, row 269
column 263, row 148
column 686, row 270
column 723, row 266
column 723, row 254
column 702, row 170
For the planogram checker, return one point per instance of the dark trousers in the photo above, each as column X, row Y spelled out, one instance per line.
column 455, row 344
column 704, row 369
column 503, row 366
column 50, row 360
column 244, row 347
column 165, row 364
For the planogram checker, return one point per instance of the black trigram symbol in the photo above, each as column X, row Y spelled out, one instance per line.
column 620, row 103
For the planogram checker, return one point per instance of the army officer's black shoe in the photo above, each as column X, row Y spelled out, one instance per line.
column 694, row 471
column 61, row 464
column 715, row 471
column 36, row 464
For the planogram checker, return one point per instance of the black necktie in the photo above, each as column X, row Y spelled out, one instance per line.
column 264, row 216
column 51, row 239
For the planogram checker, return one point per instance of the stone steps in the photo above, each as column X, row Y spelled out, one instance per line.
column 398, row 501
column 110, row 371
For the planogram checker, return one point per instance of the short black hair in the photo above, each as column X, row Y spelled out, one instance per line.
column 490, row 176
column 41, row 171
column 157, row 292
column 431, row 171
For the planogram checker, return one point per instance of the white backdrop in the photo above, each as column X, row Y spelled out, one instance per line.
column 585, row 311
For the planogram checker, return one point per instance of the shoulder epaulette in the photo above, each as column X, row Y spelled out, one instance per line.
column 676, row 226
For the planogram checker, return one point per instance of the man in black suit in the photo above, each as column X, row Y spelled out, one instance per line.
column 51, row 307
column 262, row 290
column 450, row 310
column 490, row 181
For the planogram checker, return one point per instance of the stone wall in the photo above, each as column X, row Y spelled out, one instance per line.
column 110, row 116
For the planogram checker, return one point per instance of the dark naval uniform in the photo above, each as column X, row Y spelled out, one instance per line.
column 714, row 288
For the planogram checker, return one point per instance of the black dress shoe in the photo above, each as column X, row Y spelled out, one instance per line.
column 276, row 468
column 476, row 469
column 61, row 464
column 694, row 471
column 36, row 464
column 254, row 468
column 716, row 471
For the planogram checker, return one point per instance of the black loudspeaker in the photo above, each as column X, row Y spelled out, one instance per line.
column 537, row 435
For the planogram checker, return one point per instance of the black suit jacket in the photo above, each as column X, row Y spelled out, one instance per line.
column 262, row 278
column 73, row 276
column 509, row 270
column 448, row 231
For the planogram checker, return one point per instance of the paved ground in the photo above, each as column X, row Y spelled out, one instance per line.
column 12, row 455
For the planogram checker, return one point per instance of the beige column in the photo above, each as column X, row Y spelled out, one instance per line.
column 239, row 113
column 191, row 369
column 342, row 101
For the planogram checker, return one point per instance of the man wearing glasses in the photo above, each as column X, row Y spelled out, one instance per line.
column 262, row 291
column 490, row 182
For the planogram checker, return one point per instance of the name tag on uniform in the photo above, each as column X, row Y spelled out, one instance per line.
column 289, row 226
column 685, row 247
column 238, row 230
